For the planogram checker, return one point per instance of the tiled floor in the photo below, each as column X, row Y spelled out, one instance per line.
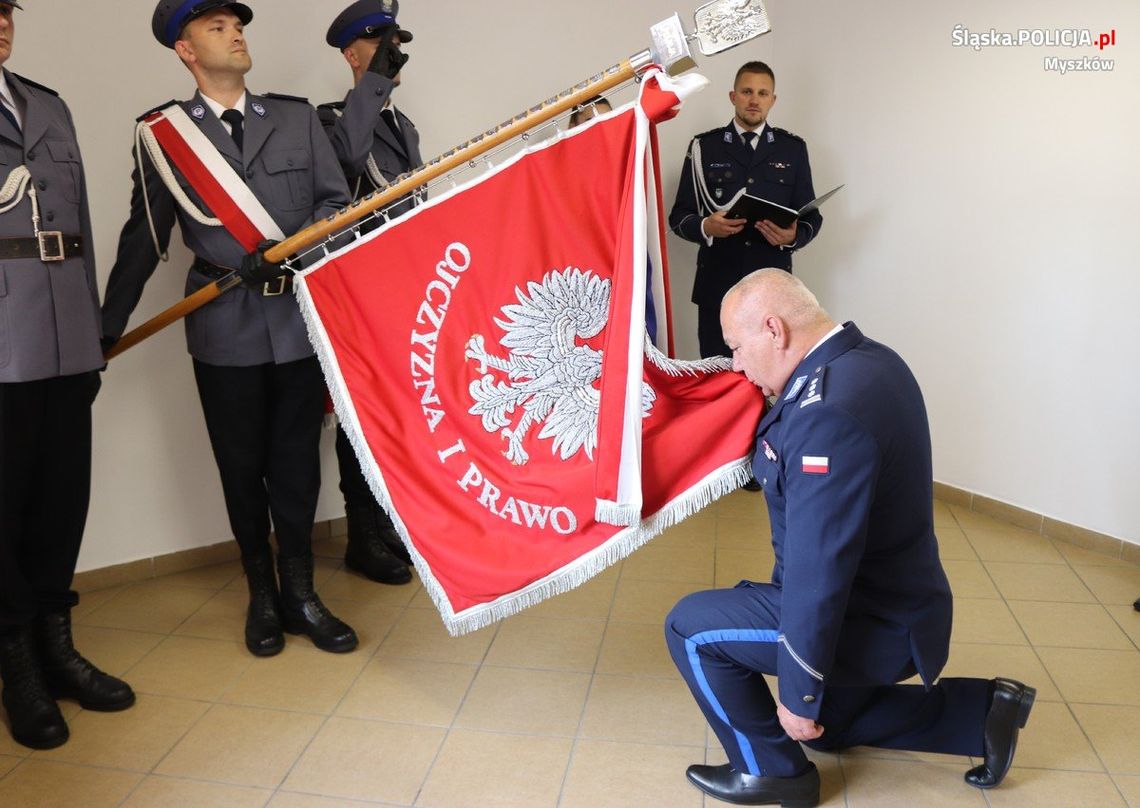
column 574, row 703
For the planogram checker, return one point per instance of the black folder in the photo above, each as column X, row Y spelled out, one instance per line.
column 755, row 209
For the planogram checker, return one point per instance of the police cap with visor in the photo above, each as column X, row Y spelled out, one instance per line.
column 364, row 19
column 171, row 16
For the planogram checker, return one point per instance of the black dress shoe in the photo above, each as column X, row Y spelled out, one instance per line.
column 726, row 783
column 68, row 674
column 1009, row 710
column 33, row 715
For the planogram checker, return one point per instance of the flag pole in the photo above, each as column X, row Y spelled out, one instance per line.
column 720, row 25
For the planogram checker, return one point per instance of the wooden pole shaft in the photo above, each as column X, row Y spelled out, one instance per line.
column 551, row 108
column 172, row 315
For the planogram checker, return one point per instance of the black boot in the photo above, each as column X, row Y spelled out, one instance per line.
column 368, row 552
column 263, row 635
column 391, row 538
column 302, row 611
column 68, row 674
column 32, row 713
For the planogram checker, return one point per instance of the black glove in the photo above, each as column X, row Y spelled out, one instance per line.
column 255, row 270
column 388, row 59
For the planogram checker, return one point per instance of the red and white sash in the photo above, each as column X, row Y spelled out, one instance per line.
column 215, row 181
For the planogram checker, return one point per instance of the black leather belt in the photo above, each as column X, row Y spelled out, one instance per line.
column 48, row 246
column 215, row 272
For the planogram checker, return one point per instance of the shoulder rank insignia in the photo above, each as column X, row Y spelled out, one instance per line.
column 786, row 133
column 815, row 387
column 37, row 85
column 771, row 136
column 328, row 113
column 282, row 97
column 715, row 131
column 153, row 110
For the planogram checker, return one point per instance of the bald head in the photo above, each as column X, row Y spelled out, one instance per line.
column 770, row 321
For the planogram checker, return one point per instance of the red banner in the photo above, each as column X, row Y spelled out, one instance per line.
column 465, row 347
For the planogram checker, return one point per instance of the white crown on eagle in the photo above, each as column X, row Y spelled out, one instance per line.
column 551, row 373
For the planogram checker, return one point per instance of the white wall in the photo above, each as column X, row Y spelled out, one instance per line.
column 984, row 195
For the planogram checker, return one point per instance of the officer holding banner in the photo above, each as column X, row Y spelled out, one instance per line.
column 267, row 168
column 49, row 375
column 375, row 143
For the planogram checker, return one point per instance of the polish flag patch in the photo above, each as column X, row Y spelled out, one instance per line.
column 816, row 465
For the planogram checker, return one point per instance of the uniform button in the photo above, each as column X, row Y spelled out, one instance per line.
column 764, row 481
column 51, row 215
column 748, row 244
column 289, row 162
column 42, row 185
column 750, row 180
column 249, row 172
column 31, row 155
column 809, row 699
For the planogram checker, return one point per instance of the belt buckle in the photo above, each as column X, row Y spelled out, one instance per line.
column 267, row 289
column 51, row 245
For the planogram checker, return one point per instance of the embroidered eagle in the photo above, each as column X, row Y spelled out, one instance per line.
column 550, row 372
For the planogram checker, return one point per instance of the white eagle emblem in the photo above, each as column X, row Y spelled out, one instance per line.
column 551, row 372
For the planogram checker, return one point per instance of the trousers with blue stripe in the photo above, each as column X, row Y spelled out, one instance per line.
column 723, row 641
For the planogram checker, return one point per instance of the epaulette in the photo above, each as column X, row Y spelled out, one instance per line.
column 714, row 131
column 786, row 133
column 153, row 110
column 814, row 387
column 282, row 97
column 328, row 114
column 38, row 86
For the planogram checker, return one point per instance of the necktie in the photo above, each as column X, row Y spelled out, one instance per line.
column 389, row 116
column 750, row 139
column 234, row 119
column 7, row 113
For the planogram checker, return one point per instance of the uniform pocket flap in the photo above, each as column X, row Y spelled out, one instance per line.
column 291, row 160
column 63, row 151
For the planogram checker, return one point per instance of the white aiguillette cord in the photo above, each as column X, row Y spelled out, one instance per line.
column 15, row 188
column 145, row 137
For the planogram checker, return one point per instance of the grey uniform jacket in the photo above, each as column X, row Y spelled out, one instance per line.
column 49, row 311
column 293, row 172
column 356, row 130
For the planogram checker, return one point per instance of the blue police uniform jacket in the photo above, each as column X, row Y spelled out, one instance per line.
column 777, row 170
column 844, row 460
